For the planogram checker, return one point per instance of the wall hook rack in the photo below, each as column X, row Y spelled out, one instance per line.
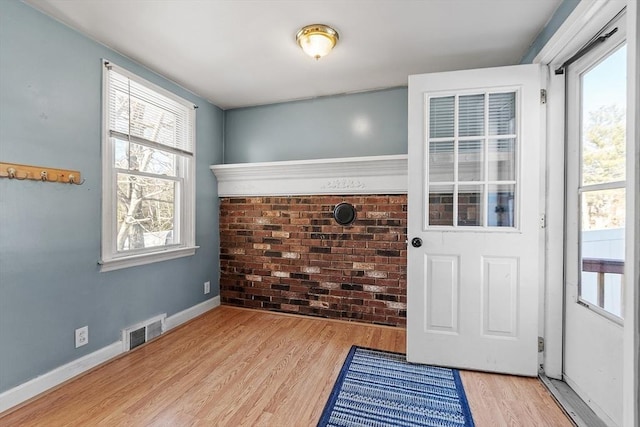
column 40, row 173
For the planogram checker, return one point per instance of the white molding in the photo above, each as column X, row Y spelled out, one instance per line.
column 554, row 245
column 631, row 358
column 349, row 175
column 190, row 313
column 59, row 375
column 588, row 17
column 34, row 387
column 142, row 259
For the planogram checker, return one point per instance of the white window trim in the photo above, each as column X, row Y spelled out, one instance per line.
column 135, row 260
column 110, row 260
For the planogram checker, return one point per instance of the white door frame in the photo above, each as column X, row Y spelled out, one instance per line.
column 588, row 17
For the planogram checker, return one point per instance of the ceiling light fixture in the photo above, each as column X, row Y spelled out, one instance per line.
column 317, row 40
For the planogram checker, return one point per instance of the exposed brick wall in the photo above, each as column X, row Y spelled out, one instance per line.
column 288, row 254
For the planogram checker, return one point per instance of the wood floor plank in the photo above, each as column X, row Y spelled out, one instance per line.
column 240, row 367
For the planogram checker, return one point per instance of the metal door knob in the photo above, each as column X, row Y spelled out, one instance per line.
column 416, row 242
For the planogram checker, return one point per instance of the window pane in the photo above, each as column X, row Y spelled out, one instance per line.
column 604, row 120
column 471, row 115
column 441, row 205
column 603, row 210
column 502, row 160
column 612, row 298
column 464, row 167
column 589, row 287
column 602, row 248
column 121, row 153
column 470, row 160
column 601, row 288
column 441, row 161
column 500, row 209
column 146, row 212
column 470, row 205
column 135, row 157
column 441, row 117
column 502, row 113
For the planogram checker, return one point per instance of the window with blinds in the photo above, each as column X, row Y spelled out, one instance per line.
column 148, row 162
column 471, row 160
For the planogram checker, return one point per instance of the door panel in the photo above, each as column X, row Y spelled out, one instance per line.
column 500, row 285
column 474, row 191
column 442, row 298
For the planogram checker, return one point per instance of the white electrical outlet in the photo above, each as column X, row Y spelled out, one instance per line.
column 207, row 287
column 82, row 336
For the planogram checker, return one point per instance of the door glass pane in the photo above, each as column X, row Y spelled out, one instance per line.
column 602, row 248
column 470, row 160
column 471, row 115
column 603, row 120
column 500, row 205
column 441, row 162
column 502, row 113
column 502, row 160
column 602, row 211
column 441, row 205
column 470, row 205
column 441, row 117
column 466, row 162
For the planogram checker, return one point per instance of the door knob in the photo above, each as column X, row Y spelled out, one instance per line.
column 416, row 242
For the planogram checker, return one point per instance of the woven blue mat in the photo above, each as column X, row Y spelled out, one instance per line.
column 378, row 388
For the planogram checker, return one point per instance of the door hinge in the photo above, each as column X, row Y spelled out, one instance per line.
column 543, row 96
column 540, row 344
column 543, row 221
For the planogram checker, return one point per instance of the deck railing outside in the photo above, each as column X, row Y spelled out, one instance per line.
column 602, row 267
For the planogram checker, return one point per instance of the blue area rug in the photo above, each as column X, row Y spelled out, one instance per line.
column 379, row 388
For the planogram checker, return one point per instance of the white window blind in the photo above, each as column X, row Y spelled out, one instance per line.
column 143, row 114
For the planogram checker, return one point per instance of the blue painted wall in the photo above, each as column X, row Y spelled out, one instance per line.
column 50, row 115
column 361, row 124
column 559, row 16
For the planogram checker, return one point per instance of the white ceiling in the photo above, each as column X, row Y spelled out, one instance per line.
column 238, row 53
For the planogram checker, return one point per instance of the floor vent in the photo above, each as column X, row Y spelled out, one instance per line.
column 140, row 333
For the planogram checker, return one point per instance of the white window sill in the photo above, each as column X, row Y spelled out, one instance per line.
column 142, row 259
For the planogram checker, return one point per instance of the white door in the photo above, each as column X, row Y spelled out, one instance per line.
column 595, row 212
column 474, row 205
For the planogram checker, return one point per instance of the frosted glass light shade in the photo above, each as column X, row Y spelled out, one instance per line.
column 317, row 40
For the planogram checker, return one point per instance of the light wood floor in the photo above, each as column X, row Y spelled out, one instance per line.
column 233, row 367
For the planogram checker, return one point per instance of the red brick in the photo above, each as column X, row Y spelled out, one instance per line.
column 265, row 236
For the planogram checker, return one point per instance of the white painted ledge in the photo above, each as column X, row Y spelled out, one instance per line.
column 348, row 175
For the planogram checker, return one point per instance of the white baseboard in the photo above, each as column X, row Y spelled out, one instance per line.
column 191, row 313
column 34, row 387
column 57, row 376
